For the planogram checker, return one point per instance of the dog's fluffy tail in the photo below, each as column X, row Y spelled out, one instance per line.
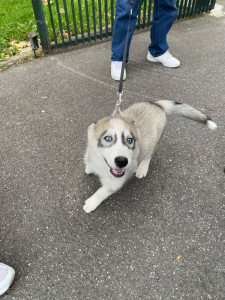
column 186, row 111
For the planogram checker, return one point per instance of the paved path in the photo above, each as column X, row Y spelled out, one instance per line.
column 159, row 238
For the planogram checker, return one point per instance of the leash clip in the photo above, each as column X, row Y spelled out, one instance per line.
column 120, row 99
column 118, row 103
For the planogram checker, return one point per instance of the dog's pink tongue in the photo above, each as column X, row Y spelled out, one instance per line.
column 118, row 171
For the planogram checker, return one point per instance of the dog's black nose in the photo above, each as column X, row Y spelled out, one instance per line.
column 121, row 161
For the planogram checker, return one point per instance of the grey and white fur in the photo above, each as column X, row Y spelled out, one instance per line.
column 123, row 145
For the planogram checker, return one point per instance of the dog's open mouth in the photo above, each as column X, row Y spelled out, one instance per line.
column 115, row 172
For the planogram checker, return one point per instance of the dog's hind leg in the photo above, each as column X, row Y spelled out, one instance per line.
column 142, row 169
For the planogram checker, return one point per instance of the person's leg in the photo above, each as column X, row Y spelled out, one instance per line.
column 6, row 277
column 164, row 14
column 120, row 28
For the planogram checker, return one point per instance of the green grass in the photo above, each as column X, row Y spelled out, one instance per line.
column 16, row 20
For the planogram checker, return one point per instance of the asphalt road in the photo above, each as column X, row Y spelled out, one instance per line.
column 161, row 237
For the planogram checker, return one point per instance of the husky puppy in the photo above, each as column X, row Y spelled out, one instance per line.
column 123, row 145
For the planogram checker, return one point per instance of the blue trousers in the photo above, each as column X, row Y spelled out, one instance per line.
column 164, row 14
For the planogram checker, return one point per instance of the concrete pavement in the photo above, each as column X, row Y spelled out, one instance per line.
column 161, row 237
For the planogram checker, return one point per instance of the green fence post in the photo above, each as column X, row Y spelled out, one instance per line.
column 41, row 23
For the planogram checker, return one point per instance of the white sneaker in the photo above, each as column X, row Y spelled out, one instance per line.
column 7, row 275
column 166, row 59
column 116, row 67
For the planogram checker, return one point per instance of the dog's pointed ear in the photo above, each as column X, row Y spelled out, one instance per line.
column 91, row 130
column 91, row 126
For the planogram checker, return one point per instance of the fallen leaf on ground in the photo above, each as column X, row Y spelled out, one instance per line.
column 178, row 258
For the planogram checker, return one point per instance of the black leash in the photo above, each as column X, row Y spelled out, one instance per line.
column 120, row 91
column 125, row 49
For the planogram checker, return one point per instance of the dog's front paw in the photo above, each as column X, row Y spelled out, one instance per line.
column 142, row 169
column 141, row 173
column 90, row 205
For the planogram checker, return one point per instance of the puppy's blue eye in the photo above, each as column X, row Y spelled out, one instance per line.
column 108, row 138
column 130, row 140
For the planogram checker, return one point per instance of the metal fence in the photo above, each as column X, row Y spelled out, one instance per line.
column 69, row 22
